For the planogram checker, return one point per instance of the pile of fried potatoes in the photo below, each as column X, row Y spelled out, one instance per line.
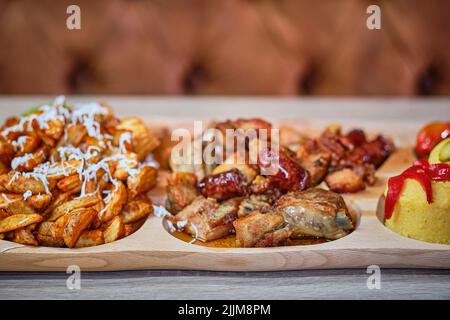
column 74, row 176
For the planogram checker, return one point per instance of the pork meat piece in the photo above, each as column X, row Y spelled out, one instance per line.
column 315, row 212
column 345, row 180
column 208, row 220
column 261, row 230
column 181, row 191
column 314, row 159
column 254, row 202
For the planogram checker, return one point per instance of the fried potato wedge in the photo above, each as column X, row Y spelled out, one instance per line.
column 124, row 166
column 25, row 237
column 3, row 168
column 39, row 202
column 20, row 207
column 6, row 151
column 143, row 140
column 17, row 183
column 29, row 161
column 71, row 184
column 143, row 181
column 4, row 214
column 27, row 144
column 57, row 200
column 60, row 170
column 77, row 203
column 135, row 210
column 90, row 238
column 114, row 230
column 118, row 199
column 18, row 221
column 45, row 228
column 49, row 241
column 75, row 135
column 57, row 228
column 133, row 227
column 77, row 222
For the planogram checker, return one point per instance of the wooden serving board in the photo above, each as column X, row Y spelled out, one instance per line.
column 152, row 247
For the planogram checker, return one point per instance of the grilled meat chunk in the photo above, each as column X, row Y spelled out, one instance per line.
column 374, row 152
column 181, row 191
column 224, row 185
column 254, row 202
column 314, row 159
column 345, row 180
column 206, row 219
column 315, row 212
column 354, row 148
column 261, row 230
column 288, row 174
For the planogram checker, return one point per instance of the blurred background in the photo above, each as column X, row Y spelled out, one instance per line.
column 226, row 47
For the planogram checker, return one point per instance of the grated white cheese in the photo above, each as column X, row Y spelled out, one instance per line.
column 196, row 233
column 27, row 194
column 21, row 161
column 15, row 176
column 124, row 138
column 161, row 212
column 4, row 196
column 19, row 144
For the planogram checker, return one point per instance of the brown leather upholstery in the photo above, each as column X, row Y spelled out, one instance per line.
column 229, row 47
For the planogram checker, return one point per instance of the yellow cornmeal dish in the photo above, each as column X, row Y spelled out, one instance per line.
column 441, row 153
column 414, row 217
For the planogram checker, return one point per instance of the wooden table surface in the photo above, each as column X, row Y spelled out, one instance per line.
column 306, row 284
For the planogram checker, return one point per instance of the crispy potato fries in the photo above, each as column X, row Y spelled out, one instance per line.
column 74, row 176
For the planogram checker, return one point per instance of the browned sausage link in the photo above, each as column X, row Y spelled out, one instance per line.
column 290, row 175
column 223, row 185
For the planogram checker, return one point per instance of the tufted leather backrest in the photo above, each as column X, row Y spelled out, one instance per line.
column 227, row 47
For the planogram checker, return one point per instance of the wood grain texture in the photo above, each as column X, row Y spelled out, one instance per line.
column 182, row 285
column 152, row 247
